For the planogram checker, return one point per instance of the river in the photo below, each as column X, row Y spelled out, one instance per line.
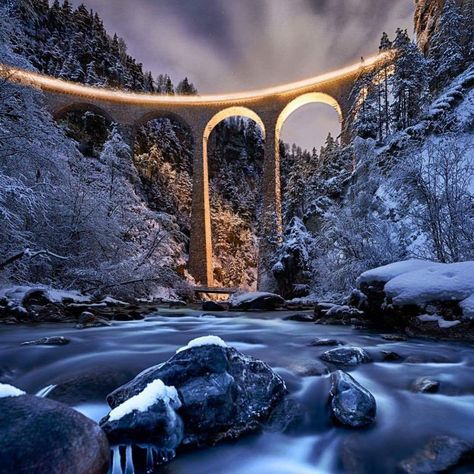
column 98, row 360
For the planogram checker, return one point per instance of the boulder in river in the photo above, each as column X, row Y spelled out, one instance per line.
column 90, row 320
column 390, row 356
column 301, row 317
column 44, row 436
column 48, row 341
column 346, row 356
column 318, row 342
column 212, row 306
column 351, row 404
column 394, row 337
column 440, row 454
column 223, row 393
column 260, row 301
column 425, row 385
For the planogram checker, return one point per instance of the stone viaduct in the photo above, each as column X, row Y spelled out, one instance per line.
column 269, row 108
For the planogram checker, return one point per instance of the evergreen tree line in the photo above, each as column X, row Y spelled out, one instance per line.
column 73, row 44
column 309, row 179
column 395, row 96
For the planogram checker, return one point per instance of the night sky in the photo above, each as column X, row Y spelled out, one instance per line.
column 232, row 45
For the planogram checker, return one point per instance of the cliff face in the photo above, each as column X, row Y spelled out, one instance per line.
column 427, row 16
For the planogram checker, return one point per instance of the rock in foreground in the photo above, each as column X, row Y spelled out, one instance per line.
column 222, row 392
column 256, row 301
column 44, row 436
column 351, row 404
column 441, row 454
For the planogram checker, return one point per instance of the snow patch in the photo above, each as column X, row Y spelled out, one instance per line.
column 438, row 282
column 467, row 307
column 388, row 272
column 426, row 318
column 153, row 392
column 443, row 324
column 9, row 391
column 203, row 341
column 16, row 294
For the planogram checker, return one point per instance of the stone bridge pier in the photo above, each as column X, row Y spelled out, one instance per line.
column 269, row 108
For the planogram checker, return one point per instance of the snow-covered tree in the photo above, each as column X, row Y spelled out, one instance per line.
column 439, row 179
column 384, row 90
column 91, row 76
column 185, row 88
column 409, row 82
column 71, row 69
column 447, row 53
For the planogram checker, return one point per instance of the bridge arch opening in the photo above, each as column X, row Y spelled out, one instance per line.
column 162, row 115
column 163, row 150
column 233, row 147
column 87, row 124
column 310, row 98
column 306, row 132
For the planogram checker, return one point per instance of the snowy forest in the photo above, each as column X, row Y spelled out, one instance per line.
column 340, row 215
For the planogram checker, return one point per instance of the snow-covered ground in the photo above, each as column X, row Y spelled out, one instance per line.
column 419, row 282
column 15, row 295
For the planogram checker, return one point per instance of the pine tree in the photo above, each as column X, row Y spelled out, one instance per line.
column 365, row 96
column 148, row 83
column 186, row 88
column 367, row 123
column 169, row 88
column 409, row 81
column 164, row 85
column 91, row 76
column 67, row 9
column 384, row 105
column 71, row 69
column 446, row 53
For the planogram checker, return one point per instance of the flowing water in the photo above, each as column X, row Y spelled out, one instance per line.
column 99, row 359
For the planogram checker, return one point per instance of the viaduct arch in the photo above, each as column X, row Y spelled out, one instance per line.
column 269, row 108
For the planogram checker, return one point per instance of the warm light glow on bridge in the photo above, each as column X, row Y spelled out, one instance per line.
column 60, row 86
column 233, row 112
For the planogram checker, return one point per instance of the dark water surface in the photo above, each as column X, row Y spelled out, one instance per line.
column 100, row 359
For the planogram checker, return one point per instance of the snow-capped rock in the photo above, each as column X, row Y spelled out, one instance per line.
column 147, row 418
column 223, row 393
